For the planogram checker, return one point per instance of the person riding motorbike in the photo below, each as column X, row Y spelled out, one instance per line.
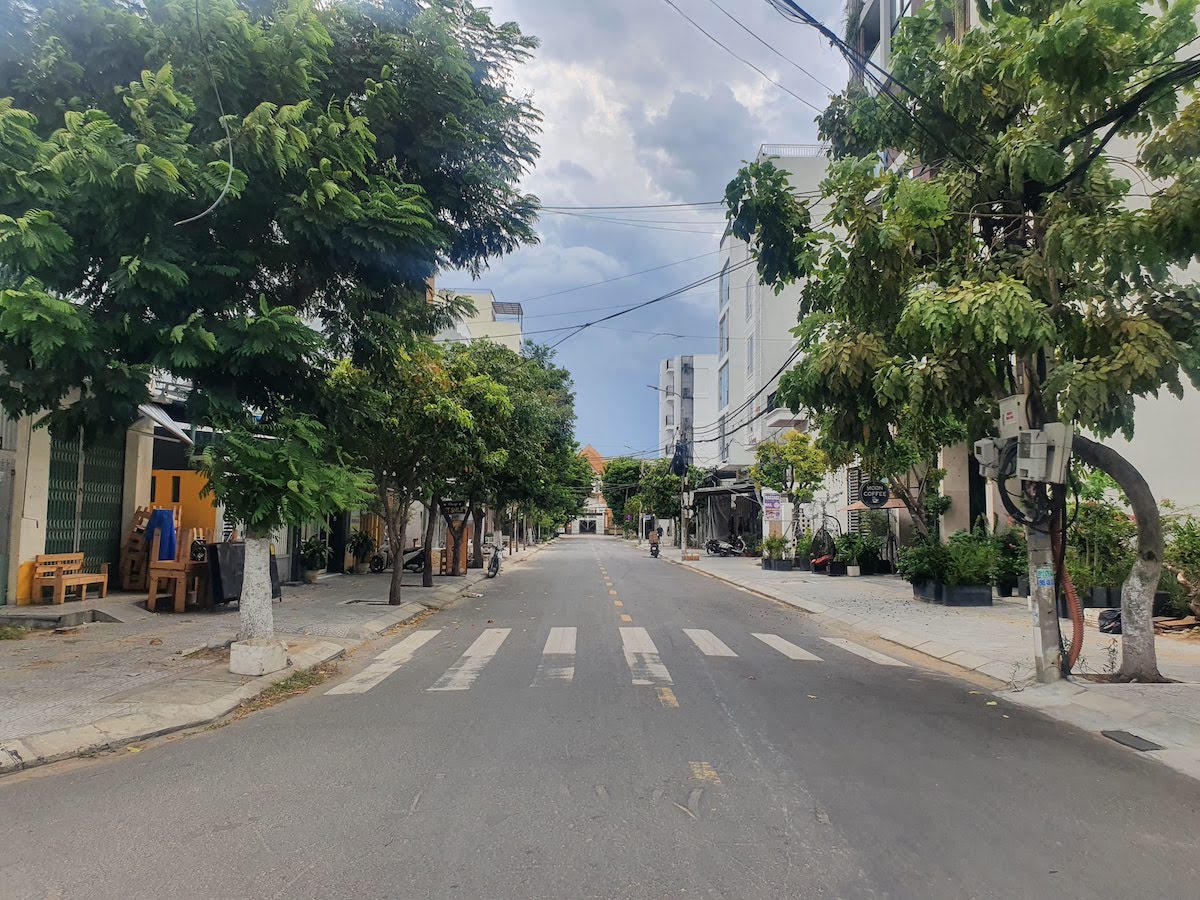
column 655, row 538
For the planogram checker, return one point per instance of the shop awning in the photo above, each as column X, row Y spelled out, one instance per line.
column 163, row 420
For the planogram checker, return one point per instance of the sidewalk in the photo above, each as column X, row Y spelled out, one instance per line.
column 997, row 642
column 108, row 683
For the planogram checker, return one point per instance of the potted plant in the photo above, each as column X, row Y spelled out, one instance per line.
column 361, row 545
column 924, row 566
column 1010, row 560
column 967, row 578
column 803, row 552
column 314, row 556
column 772, row 551
column 867, row 554
column 845, row 554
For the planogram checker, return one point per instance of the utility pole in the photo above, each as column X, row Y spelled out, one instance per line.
column 641, row 524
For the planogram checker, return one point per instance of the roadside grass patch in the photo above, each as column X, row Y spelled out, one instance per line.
column 12, row 633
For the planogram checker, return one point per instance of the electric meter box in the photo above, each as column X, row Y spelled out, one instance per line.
column 1014, row 416
column 1043, row 454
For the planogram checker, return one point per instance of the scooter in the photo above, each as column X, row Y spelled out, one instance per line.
column 735, row 547
column 654, row 551
column 494, row 564
column 414, row 560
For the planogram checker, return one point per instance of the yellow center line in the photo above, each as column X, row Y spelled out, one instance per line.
column 618, row 604
column 612, row 593
column 626, row 618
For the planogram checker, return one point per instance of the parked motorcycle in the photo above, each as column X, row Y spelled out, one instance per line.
column 414, row 559
column 734, row 547
column 654, row 551
column 494, row 565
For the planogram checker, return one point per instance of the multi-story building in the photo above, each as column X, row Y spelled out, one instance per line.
column 687, row 396
column 499, row 322
column 1163, row 424
column 754, row 341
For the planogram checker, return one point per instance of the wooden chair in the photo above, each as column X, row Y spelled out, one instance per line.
column 135, row 552
column 63, row 571
column 181, row 574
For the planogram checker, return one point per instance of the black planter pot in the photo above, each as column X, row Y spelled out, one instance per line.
column 928, row 590
column 837, row 568
column 768, row 564
column 804, row 565
column 1005, row 588
column 1023, row 586
column 868, row 566
column 1162, row 602
column 1102, row 598
column 783, row 565
column 819, row 568
column 967, row 594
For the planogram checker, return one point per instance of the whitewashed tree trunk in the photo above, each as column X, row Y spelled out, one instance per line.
column 257, row 618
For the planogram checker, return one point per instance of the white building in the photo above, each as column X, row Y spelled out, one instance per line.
column 687, row 396
column 499, row 322
column 754, row 341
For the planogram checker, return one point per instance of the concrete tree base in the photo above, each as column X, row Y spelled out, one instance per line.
column 259, row 656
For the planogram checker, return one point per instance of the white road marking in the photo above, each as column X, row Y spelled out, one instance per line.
column 461, row 675
column 558, row 657
column 708, row 643
column 787, row 648
column 865, row 652
column 642, row 657
column 385, row 663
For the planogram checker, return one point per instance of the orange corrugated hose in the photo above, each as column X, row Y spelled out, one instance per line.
column 1073, row 605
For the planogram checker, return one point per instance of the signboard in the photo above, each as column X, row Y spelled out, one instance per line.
column 1045, row 577
column 454, row 509
column 772, row 506
column 874, row 494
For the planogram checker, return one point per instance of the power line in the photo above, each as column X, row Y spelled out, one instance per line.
column 581, row 287
column 610, row 221
column 700, row 28
column 631, row 220
column 738, row 22
column 641, row 206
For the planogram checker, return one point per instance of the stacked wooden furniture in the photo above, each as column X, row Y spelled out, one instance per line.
column 182, row 574
column 135, row 552
column 62, row 572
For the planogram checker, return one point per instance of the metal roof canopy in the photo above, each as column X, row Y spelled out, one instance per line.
column 507, row 309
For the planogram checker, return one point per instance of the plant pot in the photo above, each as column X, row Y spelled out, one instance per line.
column 837, row 568
column 930, row 591
column 1006, row 587
column 1162, row 603
column 768, row 565
column 783, row 565
column 361, row 567
column 819, row 568
column 1022, row 585
column 1102, row 598
column 853, row 571
column 967, row 594
column 311, row 575
column 804, row 565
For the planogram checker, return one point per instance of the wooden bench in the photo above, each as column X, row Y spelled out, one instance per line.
column 63, row 571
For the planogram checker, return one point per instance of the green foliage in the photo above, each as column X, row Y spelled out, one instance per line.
column 925, row 560
column 621, row 481
column 847, row 547
column 270, row 474
column 1100, row 538
column 314, row 553
column 361, row 544
column 1183, row 559
column 793, row 466
column 1010, row 560
column 969, row 558
column 1020, row 237
column 775, row 547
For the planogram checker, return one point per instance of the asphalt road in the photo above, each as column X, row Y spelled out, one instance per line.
column 486, row 760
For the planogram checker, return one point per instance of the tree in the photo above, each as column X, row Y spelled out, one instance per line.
column 621, row 481
column 201, row 189
column 1017, row 260
column 271, row 474
column 793, row 466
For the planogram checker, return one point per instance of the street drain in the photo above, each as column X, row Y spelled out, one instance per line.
column 1132, row 740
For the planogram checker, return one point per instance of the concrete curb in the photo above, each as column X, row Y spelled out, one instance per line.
column 164, row 718
column 1069, row 701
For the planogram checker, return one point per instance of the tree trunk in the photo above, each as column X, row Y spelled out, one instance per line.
column 457, row 532
column 914, row 505
column 477, row 555
column 430, row 524
column 395, row 517
column 256, row 618
column 1138, row 659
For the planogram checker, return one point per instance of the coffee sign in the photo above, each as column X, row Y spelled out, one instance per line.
column 874, row 494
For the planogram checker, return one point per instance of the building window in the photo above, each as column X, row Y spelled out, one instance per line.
column 723, row 387
column 900, row 9
column 153, row 487
column 722, row 442
column 668, row 420
column 723, row 335
column 724, row 285
column 749, row 298
column 749, row 356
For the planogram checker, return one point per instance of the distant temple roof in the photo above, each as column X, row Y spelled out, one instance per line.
column 595, row 460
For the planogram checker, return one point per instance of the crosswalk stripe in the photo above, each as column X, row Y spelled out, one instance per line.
column 642, row 657
column 461, row 675
column 787, row 648
column 385, row 663
column 865, row 652
column 558, row 657
column 708, row 643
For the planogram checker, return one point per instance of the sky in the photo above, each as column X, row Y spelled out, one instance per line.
column 641, row 108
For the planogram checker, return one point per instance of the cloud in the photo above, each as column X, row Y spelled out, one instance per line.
column 698, row 142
